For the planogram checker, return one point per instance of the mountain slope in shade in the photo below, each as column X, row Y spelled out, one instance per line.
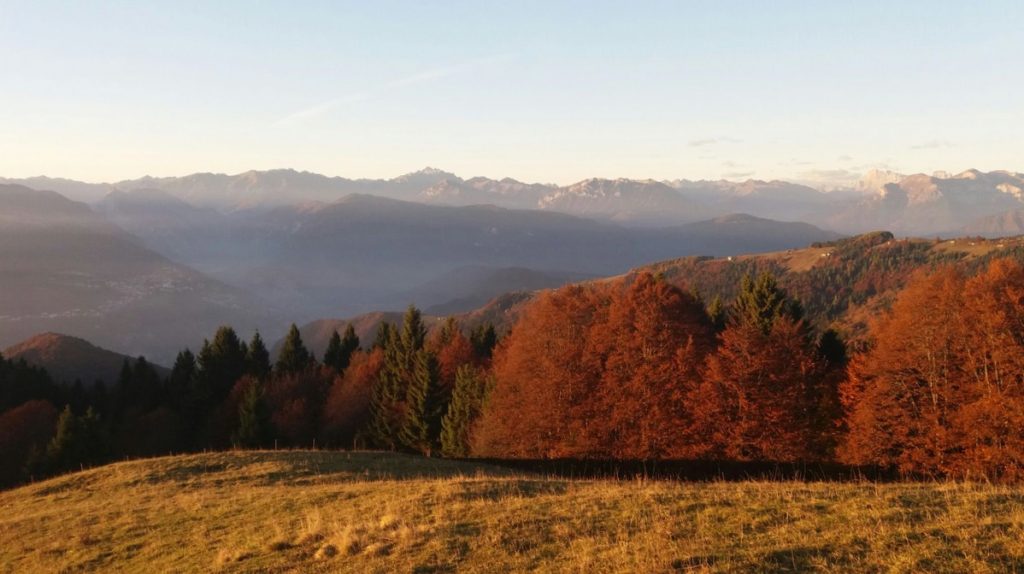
column 65, row 268
column 68, row 359
column 1001, row 225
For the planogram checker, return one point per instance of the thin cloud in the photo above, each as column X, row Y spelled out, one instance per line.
column 738, row 174
column 932, row 144
column 425, row 76
column 712, row 141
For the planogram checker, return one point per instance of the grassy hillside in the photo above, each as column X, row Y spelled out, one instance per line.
column 370, row 512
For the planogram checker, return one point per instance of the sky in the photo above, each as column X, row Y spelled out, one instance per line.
column 546, row 91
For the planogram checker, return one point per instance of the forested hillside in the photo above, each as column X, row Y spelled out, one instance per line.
column 870, row 351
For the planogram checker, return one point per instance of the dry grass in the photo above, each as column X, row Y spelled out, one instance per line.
column 369, row 512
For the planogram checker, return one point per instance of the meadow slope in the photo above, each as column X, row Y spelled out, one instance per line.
column 373, row 512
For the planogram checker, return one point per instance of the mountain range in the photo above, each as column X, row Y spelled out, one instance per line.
column 915, row 204
column 152, row 265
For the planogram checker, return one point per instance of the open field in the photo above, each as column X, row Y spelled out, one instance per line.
column 373, row 512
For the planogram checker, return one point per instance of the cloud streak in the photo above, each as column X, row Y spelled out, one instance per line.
column 433, row 74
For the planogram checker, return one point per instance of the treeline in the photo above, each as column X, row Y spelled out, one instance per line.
column 632, row 369
column 394, row 394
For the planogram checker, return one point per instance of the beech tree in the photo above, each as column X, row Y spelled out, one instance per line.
column 762, row 391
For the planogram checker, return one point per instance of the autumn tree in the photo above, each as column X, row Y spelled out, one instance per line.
column 347, row 408
column 941, row 390
column 545, row 379
column 762, row 389
column 652, row 344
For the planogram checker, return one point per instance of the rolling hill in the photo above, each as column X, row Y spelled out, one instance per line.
column 68, row 359
column 304, row 511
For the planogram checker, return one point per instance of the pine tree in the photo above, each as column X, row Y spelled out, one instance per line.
column 221, row 363
column 388, row 401
column 414, row 333
column 466, row 404
column 423, row 405
column 349, row 345
column 483, row 338
column 717, row 313
column 257, row 358
column 332, row 356
column 180, row 380
column 254, row 426
column 78, row 441
column 761, row 302
column 294, row 356
column 384, row 333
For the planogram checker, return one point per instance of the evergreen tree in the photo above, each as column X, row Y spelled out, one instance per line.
column 483, row 339
column 388, row 398
column 414, row 333
column 78, row 441
column 257, row 358
column 423, row 405
column 147, row 385
column 294, row 356
column 180, row 380
column 254, row 426
column 221, row 363
column 762, row 302
column 332, row 356
column 384, row 334
column 718, row 313
column 466, row 404
column 349, row 345
column 340, row 349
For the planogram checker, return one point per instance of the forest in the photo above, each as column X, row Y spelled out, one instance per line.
column 634, row 368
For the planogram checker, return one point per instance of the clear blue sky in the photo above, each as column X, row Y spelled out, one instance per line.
column 541, row 91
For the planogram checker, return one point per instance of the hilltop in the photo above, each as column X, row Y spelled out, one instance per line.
column 374, row 512
column 68, row 358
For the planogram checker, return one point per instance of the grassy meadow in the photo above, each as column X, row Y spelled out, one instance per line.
column 374, row 512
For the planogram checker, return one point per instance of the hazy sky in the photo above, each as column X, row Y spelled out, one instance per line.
column 541, row 91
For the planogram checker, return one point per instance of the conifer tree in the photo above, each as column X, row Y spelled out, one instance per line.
column 257, row 358
column 717, row 313
column 180, row 380
column 349, row 345
column 294, row 356
column 332, row 356
column 221, row 363
column 340, row 349
column 384, row 333
column 388, row 401
column 761, row 303
column 254, row 425
column 78, row 441
column 423, row 405
column 467, row 402
column 483, row 338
